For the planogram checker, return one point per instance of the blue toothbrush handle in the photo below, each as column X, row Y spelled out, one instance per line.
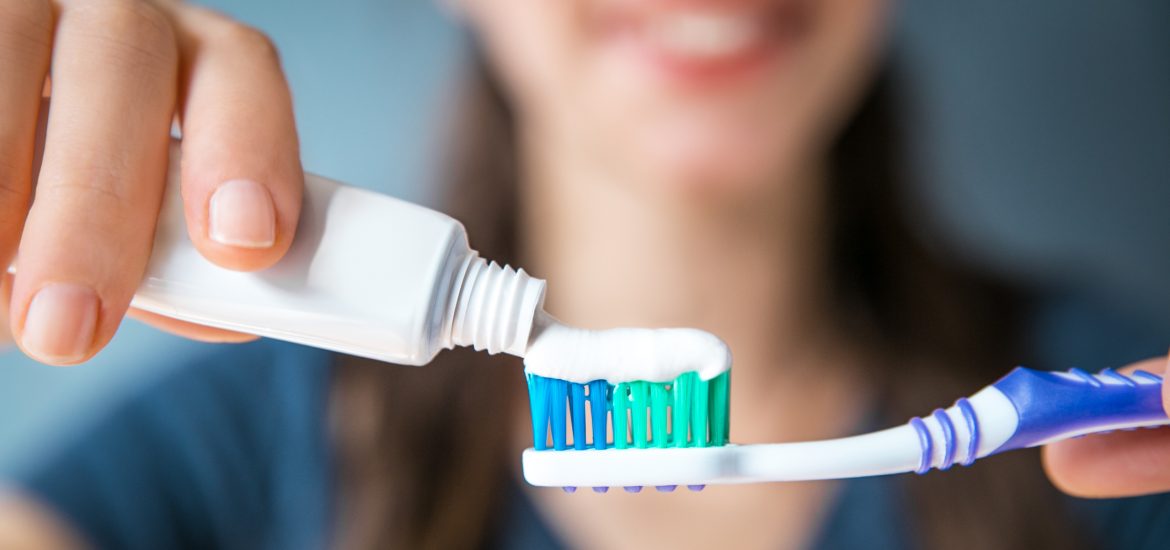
column 1058, row 405
column 1028, row 408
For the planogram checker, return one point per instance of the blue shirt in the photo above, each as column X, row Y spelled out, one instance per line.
column 227, row 451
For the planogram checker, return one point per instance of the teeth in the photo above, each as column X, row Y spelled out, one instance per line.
column 705, row 35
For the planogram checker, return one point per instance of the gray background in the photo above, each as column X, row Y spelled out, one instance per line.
column 1044, row 132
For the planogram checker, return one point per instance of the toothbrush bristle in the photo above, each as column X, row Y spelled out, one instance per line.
column 685, row 412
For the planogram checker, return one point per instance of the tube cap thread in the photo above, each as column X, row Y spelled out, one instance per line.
column 494, row 307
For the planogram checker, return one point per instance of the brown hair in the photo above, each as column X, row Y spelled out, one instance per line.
column 418, row 469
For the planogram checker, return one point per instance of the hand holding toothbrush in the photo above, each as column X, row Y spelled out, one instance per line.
column 1025, row 408
column 1123, row 463
column 119, row 72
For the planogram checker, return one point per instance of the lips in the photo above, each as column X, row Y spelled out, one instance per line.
column 697, row 40
column 703, row 35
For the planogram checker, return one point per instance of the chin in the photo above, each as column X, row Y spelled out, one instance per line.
column 743, row 165
column 716, row 176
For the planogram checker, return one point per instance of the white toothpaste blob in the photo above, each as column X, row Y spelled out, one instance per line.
column 623, row 354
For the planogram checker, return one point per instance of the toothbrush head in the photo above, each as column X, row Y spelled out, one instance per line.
column 570, row 418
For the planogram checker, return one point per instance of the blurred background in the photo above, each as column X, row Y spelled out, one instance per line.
column 1043, row 132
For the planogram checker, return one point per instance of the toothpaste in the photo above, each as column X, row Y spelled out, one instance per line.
column 623, row 354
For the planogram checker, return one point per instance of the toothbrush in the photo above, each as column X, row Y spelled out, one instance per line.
column 1025, row 408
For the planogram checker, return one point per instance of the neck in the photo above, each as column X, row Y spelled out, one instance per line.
column 750, row 269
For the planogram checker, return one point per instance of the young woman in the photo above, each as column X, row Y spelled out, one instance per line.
column 727, row 165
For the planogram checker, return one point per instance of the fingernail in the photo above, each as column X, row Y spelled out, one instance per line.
column 242, row 215
column 60, row 323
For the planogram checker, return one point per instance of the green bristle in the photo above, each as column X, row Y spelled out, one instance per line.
column 680, row 410
column 719, row 418
column 699, row 412
column 659, row 401
column 639, row 400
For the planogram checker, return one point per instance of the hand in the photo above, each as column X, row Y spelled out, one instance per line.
column 1119, row 463
column 118, row 73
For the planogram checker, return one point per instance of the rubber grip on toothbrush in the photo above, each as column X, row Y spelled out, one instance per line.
column 1058, row 405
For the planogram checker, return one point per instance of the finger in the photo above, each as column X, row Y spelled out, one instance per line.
column 5, row 298
column 1113, row 464
column 89, row 231
column 241, row 171
column 190, row 330
column 26, row 38
column 1165, row 387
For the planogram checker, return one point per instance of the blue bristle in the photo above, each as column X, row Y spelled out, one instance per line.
column 558, row 394
column 577, row 406
column 599, row 406
column 538, row 395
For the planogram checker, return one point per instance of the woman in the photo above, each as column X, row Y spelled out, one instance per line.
column 725, row 165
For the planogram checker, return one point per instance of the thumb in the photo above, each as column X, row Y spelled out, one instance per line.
column 5, row 298
column 1165, row 386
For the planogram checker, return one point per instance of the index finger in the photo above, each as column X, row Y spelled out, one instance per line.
column 241, row 171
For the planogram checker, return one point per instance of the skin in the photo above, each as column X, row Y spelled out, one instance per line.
column 709, row 189
column 25, row 525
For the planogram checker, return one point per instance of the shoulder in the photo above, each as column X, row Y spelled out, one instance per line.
column 1077, row 329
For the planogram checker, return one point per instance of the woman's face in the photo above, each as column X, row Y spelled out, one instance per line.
column 727, row 93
